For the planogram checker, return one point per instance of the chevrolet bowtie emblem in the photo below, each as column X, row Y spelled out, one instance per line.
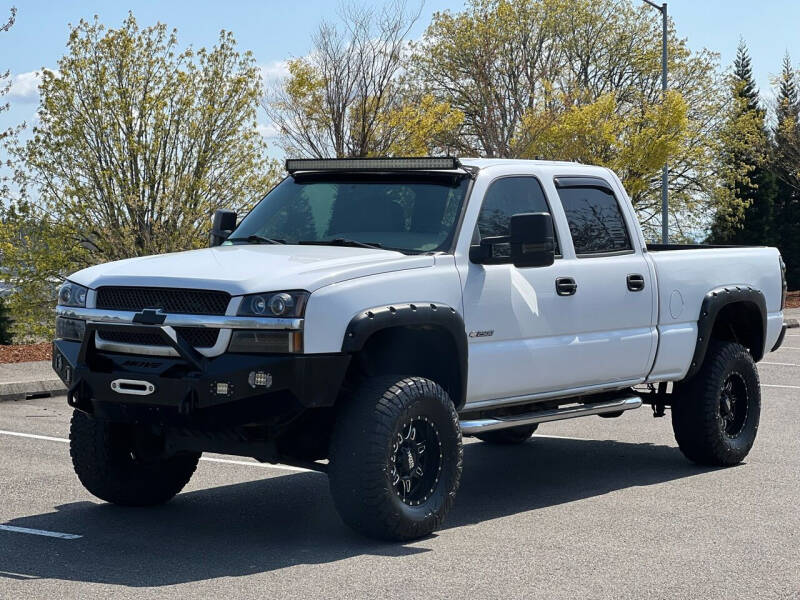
column 150, row 316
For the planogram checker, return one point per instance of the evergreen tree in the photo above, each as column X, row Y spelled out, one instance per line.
column 5, row 325
column 786, row 163
column 746, row 149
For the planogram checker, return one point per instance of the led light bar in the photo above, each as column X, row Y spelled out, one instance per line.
column 372, row 164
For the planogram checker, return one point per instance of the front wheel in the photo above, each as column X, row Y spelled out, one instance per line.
column 124, row 464
column 715, row 415
column 396, row 457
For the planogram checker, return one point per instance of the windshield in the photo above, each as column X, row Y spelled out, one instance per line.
column 413, row 213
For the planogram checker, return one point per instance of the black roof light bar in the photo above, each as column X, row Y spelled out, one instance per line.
column 373, row 164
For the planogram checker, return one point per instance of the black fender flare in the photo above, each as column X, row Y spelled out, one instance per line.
column 714, row 301
column 372, row 320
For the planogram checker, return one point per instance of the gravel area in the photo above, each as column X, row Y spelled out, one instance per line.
column 25, row 353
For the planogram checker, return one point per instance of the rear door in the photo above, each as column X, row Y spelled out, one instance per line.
column 612, row 306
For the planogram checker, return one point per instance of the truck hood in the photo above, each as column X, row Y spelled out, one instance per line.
column 247, row 269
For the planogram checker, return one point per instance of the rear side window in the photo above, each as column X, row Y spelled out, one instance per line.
column 506, row 197
column 595, row 220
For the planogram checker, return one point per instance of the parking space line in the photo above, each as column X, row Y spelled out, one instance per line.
column 34, row 436
column 764, row 362
column 228, row 461
column 203, row 458
column 787, row 348
column 42, row 532
column 788, row 387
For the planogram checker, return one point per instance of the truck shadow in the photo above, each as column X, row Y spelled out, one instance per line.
column 260, row 526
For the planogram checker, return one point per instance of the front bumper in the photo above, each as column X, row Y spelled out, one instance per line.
column 190, row 383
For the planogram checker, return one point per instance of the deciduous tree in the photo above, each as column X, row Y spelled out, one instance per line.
column 581, row 80
column 137, row 144
column 348, row 97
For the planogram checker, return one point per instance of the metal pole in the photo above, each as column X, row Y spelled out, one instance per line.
column 664, row 173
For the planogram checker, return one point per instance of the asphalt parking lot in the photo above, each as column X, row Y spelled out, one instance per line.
column 590, row 508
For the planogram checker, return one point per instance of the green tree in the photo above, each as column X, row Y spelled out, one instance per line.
column 786, row 163
column 137, row 144
column 531, row 76
column 746, row 147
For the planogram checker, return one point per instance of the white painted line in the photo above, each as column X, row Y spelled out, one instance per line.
column 35, row 437
column 787, row 348
column 788, row 387
column 764, row 362
column 566, row 437
column 42, row 532
column 205, row 458
column 254, row 464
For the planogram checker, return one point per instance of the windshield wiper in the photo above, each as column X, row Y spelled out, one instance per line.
column 256, row 239
column 340, row 242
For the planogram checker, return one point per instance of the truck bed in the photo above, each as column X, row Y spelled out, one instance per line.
column 685, row 274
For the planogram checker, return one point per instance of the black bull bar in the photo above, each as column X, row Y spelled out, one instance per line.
column 189, row 381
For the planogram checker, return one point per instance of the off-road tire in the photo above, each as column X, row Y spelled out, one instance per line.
column 104, row 459
column 700, row 410
column 364, row 452
column 510, row 436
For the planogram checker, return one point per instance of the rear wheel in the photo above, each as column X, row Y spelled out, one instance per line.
column 396, row 456
column 512, row 435
column 715, row 414
column 124, row 464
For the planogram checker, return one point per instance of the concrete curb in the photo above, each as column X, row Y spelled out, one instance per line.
column 21, row 390
column 19, row 381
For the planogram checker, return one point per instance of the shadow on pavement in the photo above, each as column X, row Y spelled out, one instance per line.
column 260, row 526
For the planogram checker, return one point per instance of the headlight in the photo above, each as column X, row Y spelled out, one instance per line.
column 72, row 294
column 274, row 304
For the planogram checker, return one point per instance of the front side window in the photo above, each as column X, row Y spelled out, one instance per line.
column 506, row 197
column 595, row 220
column 412, row 213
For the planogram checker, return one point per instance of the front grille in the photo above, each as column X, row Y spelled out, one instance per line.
column 199, row 337
column 169, row 300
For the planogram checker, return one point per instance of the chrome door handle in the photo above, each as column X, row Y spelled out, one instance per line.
column 566, row 286
column 635, row 282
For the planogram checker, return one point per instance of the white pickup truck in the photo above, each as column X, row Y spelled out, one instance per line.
column 368, row 313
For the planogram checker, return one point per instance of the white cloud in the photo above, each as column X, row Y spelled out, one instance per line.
column 25, row 86
column 274, row 71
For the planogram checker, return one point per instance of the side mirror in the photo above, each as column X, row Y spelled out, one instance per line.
column 532, row 240
column 223, row 223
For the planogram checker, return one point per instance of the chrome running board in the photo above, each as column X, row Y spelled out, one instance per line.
column 473, row 426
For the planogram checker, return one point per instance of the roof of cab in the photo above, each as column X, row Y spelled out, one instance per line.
column 483, row 163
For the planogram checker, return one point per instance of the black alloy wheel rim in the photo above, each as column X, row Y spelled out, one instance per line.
column 733, row 402
column 416, row 461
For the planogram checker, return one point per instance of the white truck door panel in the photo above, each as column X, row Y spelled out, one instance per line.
column 613, row 322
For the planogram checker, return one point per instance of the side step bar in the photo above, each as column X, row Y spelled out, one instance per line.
column 472, row 427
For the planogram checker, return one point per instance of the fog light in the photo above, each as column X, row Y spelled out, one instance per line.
column 222, row 388
column 259, row 379
column 70, row 329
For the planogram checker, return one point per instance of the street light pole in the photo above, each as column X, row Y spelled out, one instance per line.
column 664, row 174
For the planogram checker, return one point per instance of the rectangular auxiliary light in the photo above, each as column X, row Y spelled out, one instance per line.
column 371, row 164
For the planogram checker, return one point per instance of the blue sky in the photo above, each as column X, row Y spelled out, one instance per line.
column 275, row 30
